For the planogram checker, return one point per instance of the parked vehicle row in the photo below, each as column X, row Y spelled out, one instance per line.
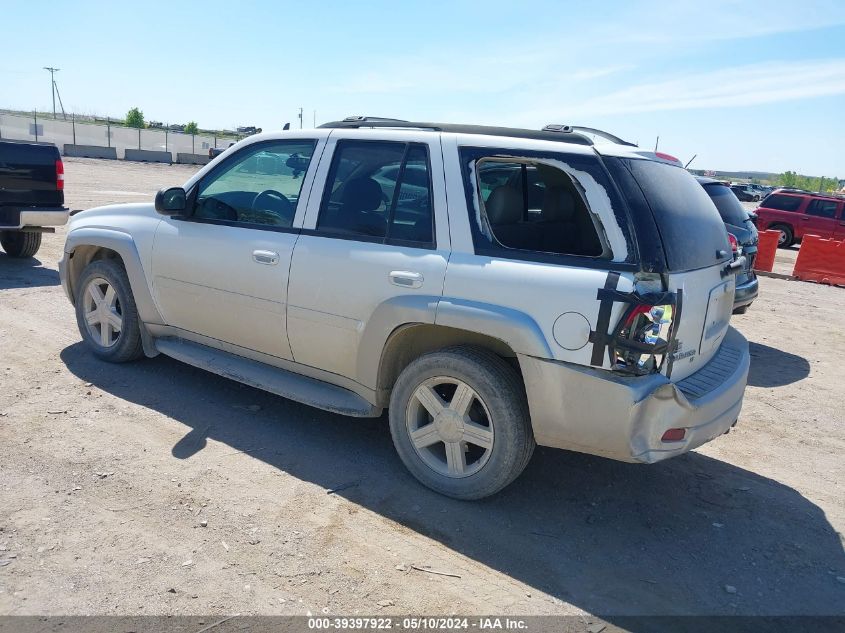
column 743, row 235
column 570, row 294
column 31, row 195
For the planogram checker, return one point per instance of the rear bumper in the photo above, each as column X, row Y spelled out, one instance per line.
column 624, row 418
column 12, row 218
column 746, row 292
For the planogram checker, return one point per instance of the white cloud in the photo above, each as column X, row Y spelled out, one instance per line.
column 739, row 86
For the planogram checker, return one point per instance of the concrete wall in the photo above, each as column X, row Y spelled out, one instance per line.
column 192, row 159
column 148, row 156
column 90, row 151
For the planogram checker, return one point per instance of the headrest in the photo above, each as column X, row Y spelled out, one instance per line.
column 362, row 194
column 504, row 206
column 558, row 205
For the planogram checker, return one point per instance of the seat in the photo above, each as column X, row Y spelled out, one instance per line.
column 568, row 227
column 360, row 198
column 560, row 231
column 504, row 210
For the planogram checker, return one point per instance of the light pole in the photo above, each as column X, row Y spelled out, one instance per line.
column 53, row 86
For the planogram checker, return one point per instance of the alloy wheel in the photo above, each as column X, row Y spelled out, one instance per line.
column 102, row 312
column 450, row 427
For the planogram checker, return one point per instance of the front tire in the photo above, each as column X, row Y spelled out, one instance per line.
column 459, row 421
column 786, row 238
column 106, row 314
column 20, row 244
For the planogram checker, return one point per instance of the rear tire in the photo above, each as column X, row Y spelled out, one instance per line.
column 20, row 243
column 106, row 313
column 787, row 237
column 479, row 440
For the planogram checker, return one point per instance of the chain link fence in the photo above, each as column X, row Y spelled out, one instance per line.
column 63, row 132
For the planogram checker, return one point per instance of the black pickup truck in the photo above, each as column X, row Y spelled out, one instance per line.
column 32, row 181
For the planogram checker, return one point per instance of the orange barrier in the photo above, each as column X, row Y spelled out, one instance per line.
column 767, row 247
column 820, row 260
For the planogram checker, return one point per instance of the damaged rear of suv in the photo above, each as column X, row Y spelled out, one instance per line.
column 492, row 287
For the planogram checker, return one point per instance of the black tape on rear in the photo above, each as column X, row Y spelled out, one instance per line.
column 673, row 338
column 600, row 337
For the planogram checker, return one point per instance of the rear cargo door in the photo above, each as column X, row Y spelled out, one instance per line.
column 696, row 250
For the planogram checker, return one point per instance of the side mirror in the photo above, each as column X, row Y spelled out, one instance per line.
column 173, row 201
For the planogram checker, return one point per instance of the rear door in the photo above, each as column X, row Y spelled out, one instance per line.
column 376, row 229
column 819, row 218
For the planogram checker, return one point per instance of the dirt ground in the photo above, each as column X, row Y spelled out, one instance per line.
column 156, row 488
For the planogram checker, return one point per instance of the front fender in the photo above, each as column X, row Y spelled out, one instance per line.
column 122, row 244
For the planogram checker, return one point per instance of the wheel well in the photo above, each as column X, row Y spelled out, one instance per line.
column 84, row 255
column 409, row 342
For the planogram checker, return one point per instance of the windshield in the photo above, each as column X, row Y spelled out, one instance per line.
column 727, row 203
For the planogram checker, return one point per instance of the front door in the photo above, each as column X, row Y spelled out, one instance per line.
column 222, row 272
column 369, row 237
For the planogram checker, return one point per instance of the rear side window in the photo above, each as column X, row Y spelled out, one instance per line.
column 690, row 227
column 379, row 191
column 535, row 206
column 822, row 208
column 727, row 204
column 782, row 202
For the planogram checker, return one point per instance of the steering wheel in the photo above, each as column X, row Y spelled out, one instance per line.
column 276, row 203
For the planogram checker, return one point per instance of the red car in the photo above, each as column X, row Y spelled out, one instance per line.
column 798, row 213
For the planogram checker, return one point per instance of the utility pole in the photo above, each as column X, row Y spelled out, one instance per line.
column 53, row 86
column 315, row 119
column 300, row 118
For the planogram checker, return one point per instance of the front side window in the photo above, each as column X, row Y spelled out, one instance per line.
column 260, row 186
column 822, row 208
column 379, row 191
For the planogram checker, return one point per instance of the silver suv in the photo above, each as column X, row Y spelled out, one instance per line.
column 492, row 288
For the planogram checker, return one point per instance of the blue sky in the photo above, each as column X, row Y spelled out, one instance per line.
column 744, row 85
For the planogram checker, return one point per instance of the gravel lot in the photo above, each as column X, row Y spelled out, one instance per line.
column 156, row 488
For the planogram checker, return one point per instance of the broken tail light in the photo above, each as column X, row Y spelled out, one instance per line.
column 642, row 339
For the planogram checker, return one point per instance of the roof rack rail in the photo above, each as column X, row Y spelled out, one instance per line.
column 363, row 119
column 838, row 196
column 354, row 122
column 559, row 127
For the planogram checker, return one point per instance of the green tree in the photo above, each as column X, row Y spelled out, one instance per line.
column 192, row 128
column 135, row 118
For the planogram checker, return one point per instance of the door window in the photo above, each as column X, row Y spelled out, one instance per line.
column 822, row 208
column 259, row 186
column 379, row 191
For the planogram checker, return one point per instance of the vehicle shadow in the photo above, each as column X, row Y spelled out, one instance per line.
column 613, row 539
column 772, row 367
column 25, row 273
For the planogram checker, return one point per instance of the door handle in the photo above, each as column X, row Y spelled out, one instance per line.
column 406, row 279
column 269, row 258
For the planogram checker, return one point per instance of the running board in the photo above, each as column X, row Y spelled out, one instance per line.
column 281, row 382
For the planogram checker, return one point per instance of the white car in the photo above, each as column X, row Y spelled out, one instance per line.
column 492, row 287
